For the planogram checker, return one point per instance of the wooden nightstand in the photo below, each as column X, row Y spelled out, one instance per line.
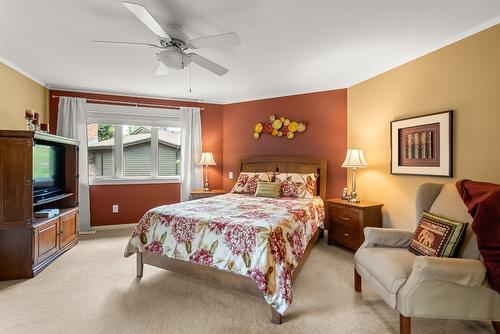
column 346, row 221
column 199, row 193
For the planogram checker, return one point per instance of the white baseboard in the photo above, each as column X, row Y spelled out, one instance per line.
column 113, row 227
column 90, row 232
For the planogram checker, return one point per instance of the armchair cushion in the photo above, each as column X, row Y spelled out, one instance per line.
column 449, row 204
column 388, row 266
column 466, row 272
column 437, row 236
column 389, row 237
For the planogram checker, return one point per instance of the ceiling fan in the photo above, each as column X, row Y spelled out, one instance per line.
column 173, row 44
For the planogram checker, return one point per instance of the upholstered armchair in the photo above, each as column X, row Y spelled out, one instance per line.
column 428, row 287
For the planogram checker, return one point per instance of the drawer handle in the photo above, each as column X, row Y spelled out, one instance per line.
column 345, row 234
column 344, row 218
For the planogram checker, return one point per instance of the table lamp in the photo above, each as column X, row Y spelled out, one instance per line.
column 207, row 159
column 354, row 159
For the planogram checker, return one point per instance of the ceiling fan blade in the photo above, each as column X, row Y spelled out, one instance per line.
column 162, row 69
column 216, row 41
column 128, row 44
column 142, row 14
column 207, row 64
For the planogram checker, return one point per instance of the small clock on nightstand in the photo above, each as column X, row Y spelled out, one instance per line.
column 346, row 221
column 200, row 193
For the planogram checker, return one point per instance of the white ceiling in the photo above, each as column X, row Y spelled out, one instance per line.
column 288, row 47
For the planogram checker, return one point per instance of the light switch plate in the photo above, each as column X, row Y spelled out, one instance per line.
column 231, row 175
column 115, row 208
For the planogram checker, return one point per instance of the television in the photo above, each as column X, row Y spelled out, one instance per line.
column 48, row 171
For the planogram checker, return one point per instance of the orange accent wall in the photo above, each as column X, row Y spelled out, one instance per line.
column 135, row 199
column 325, row 136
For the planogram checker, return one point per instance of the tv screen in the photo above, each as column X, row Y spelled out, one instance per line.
column 48, row 168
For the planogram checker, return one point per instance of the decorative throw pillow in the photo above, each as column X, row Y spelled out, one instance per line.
column 437, row 236
column 297, row 185
column 251, row 179
column 268, row 189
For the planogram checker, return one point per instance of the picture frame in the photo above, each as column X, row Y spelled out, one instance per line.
column 423, row 145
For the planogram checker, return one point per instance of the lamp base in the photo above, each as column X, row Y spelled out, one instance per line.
column 206, row 188
column 353, row 197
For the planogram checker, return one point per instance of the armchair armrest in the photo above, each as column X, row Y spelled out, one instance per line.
column 388, row 237
column 466, row 272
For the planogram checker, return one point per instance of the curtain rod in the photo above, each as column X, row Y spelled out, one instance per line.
column 135, row 104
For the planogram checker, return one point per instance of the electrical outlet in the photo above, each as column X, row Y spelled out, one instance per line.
column 231, row 175
column 115, row 208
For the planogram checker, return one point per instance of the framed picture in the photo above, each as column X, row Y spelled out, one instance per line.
column 423, row 145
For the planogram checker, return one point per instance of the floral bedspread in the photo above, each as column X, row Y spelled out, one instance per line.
column 260, row 238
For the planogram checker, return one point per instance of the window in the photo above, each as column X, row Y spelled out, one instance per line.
column 129, row 144
column 137, row 150
column 133, row 152
column 101, row 144
column 169, row 151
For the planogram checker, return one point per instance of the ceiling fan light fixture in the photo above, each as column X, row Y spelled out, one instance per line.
column 174, row 58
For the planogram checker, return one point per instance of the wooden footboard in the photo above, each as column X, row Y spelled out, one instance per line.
column 222, row 278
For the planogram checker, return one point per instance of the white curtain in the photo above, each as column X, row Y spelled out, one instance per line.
column 72, row 123
column 192, row 174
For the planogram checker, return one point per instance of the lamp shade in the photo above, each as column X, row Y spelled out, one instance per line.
column 207, row 159
column 354, row 159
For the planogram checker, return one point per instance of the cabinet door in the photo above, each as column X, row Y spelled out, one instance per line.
column 16, row 192
column 46, row 240
column 68, row 228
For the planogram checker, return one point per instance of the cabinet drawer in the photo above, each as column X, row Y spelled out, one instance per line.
column 345, row 235
column 345, row 216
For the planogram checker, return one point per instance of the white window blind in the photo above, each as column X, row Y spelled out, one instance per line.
column 124, row 115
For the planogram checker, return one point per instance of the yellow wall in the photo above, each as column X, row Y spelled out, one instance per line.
column 18, row 93
column 464, row 77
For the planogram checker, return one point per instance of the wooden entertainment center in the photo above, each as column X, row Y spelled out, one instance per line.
column 29, row 244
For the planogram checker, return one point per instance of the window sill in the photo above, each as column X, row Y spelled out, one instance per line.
column 136, row 180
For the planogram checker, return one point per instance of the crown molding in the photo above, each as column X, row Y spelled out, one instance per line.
column 285, row 94
column 23, row 72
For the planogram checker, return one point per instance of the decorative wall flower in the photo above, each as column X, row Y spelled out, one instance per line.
column 258, row 127
column 277, row 124
column 279, row 127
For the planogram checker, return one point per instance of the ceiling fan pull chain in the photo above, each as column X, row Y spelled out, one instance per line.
column 190, row 67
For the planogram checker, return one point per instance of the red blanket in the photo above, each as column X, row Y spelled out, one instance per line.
column 483, row 201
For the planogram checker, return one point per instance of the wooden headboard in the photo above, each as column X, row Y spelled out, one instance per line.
column 287, row 164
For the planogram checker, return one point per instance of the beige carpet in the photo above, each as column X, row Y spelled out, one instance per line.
column 93, row 289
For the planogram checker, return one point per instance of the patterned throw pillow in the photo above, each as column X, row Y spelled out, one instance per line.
column 268, row 189
column 437, row 236
column 297, row 185
column 247, row 182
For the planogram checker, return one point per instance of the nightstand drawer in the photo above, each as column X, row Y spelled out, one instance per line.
column 346, row 221
column 346, row 236
column 345, row 216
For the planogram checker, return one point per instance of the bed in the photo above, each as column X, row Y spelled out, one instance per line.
column 253, row 244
